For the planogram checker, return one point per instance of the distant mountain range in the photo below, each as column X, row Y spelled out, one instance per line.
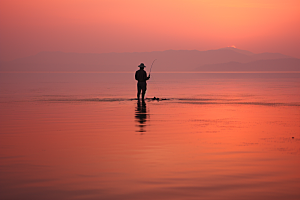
column 225, row 59
column 283, row 64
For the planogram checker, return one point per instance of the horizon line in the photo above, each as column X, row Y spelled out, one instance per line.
column 112, row 52
column 162, row 72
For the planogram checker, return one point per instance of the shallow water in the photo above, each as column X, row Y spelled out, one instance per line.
column 217, row 136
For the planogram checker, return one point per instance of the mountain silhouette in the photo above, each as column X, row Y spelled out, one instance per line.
column 283, row 64
column 169, row 60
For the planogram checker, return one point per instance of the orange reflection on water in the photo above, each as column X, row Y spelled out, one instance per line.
column 188, row 150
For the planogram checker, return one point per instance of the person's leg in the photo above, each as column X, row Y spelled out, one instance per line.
column 138, row 91
column 144, row 88
column 143, row 95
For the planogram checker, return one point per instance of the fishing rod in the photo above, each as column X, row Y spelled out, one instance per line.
column 152, row 65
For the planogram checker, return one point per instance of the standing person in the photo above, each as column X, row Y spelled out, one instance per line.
column 141, row 77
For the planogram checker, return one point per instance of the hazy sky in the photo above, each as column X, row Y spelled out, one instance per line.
column 97, row 26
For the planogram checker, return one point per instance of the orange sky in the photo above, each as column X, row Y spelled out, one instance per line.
column 98, row 26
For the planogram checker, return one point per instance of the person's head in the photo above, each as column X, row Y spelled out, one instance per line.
column 142, row 66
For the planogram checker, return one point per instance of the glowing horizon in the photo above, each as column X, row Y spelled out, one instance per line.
column 29, row 27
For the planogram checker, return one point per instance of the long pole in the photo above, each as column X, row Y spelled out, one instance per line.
column 152, row 65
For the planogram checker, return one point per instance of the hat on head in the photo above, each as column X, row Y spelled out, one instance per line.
column 142, row 65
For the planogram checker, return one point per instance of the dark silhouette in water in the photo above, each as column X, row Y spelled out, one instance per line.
column 141, row 115
column 141, row 77
column 158, row 99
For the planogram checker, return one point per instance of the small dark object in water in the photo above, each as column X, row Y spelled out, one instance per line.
column 292, row 137
column 158, row 99
column 154, row 98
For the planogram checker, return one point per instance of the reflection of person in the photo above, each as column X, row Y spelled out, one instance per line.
column 141, row 115
column 141, row 77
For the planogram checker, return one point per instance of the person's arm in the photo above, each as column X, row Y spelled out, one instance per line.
column 146, row 77
column 136, row 76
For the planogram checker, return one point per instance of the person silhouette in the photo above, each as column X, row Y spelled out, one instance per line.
column 141, row 77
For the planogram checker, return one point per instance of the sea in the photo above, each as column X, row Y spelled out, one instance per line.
column 198, row 135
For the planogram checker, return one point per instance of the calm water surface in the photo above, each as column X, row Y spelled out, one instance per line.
column 82, row 136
